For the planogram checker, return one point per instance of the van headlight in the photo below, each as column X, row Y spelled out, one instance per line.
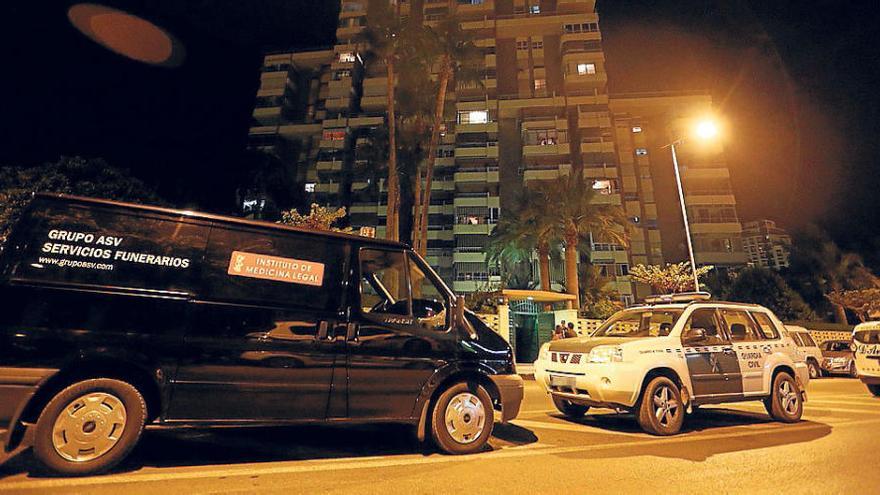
column 544, row 353
column 606, row 354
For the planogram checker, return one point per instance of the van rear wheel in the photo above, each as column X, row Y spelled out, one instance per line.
column 874, row 389
column 462, row 419
column 89, row 427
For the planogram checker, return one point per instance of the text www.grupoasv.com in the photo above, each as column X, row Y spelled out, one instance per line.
column 76, row 264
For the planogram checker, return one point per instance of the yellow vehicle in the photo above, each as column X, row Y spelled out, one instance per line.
column 866, row 346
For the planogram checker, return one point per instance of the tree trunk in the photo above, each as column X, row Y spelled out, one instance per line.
column 392, row 224
column 571, row 267
column 439, row 104
column 544, row 265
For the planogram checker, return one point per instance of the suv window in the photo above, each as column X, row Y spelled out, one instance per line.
column 768, row 329
column 740, row 327
column 703, row 329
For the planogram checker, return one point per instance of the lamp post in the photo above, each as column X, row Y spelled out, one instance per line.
column 705, row 130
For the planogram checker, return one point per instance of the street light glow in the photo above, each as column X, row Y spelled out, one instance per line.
column 706, row 129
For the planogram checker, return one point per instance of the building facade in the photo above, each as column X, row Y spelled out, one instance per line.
column 542, row 110
column 766, row 244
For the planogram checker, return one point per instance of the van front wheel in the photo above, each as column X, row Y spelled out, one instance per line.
column 462, row 419
column 89, row 427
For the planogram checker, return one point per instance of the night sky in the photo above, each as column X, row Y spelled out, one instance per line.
column 795, row 82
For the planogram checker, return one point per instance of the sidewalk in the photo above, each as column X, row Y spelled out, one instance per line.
column 526, row 370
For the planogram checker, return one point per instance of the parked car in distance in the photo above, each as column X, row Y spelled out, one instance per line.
column 808, row 347
column 837, row 358
column 662, row 359
column 119, row 316
column 866, row 347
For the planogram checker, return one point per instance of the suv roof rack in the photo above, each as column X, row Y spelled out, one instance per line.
column 687, row 297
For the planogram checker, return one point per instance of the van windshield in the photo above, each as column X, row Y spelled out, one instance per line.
column 640, row 323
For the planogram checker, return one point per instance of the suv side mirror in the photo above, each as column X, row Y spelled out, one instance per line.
column 695, row 335
column 460, row 320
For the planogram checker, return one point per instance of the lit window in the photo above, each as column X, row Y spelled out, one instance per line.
column 310, row 187
column 346, row 57
column 584, row 69
column 637, row 128
column 473, row 117
column 641, row 151
column 534, row 9
column 540, row 84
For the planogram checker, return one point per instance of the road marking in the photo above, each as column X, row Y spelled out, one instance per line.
column 290, row 467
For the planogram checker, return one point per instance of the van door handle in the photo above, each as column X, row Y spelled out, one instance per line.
column 351, row 332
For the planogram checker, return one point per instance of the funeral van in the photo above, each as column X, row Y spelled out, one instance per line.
column 118, row 317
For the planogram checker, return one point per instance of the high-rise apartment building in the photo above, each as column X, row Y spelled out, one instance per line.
column 542, row 110
column 766, row 244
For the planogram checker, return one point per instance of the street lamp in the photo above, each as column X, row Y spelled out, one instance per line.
column 705, row 130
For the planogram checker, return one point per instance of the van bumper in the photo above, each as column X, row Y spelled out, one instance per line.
column 510, row 390
column 17, row 386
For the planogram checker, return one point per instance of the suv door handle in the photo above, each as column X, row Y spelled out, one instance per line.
column 351, row 332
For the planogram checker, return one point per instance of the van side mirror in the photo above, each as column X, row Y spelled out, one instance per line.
column 460, row 319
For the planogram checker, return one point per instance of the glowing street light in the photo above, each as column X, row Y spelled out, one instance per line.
column 704, row 130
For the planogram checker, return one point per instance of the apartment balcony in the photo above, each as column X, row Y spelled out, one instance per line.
column 597, row 147
column 486, row 127
column 545, row 149
column 329, row 166
column 366, row 121
column 327, row 188
column 481, row 228
column 485, row 175
column 474, row 199
column 487, row 150
column 469, row 257
column 299, row 129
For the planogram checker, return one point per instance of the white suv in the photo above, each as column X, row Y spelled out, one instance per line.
column 866, row 344
column 662, row 359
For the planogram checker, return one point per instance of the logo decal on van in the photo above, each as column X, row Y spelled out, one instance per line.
column 275, row 268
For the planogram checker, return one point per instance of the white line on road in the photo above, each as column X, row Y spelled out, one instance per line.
column 290, row 467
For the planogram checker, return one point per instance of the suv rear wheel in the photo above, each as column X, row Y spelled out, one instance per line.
column 89, row 427
column 569, row 408
column 784, row 403
column 462, row 419
column 661, row 411
column 874, row 389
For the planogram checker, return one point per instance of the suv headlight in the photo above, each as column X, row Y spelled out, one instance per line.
column 606, row 354
column 544, row 353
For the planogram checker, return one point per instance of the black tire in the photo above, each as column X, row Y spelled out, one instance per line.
column 874, row 389
column 815, row 371
column 109, row 400
column 661, row 411
column 570, row 409
column 475, row 421
column 785, row 403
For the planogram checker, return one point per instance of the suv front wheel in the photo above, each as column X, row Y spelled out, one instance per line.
column 462, row 419
column 784, row 403
column 661, row 411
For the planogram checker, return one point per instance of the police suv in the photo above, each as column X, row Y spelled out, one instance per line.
column 662, row 359
column 866, row 346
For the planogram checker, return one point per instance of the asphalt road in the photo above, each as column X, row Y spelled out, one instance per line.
column 724, row 449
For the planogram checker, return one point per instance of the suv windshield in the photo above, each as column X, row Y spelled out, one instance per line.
column 640, row 323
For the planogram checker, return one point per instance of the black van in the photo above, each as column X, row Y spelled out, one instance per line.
column 116, row 316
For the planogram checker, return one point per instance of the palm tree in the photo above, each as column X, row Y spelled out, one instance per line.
column 383, row 36
column 570, row 202
column 458, row 57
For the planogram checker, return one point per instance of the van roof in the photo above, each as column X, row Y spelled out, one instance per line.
column 71, row 199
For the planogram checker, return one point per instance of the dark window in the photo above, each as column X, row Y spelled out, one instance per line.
column 275, row 269
column 116, row 248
